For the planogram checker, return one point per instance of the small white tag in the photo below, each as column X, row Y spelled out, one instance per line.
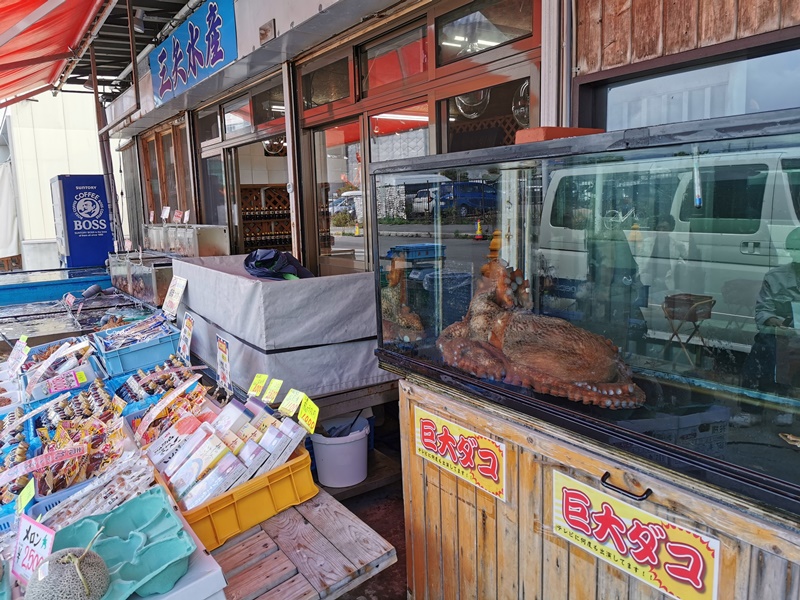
column 44, row 570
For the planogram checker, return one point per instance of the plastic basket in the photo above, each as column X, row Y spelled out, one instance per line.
column 252, row 502
column 7, row 522
column 139, row 355
column 43, row 504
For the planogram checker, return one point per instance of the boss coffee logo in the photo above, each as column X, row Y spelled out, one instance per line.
column 88, row 208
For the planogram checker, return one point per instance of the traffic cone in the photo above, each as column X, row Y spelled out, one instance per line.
column 478, row 231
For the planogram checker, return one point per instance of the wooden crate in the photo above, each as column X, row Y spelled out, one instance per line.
column 464, row 543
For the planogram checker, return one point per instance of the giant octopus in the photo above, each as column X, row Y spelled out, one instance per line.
column 499, row 339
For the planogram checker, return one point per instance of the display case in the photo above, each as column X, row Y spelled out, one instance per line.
column 639, row 290
column 187, row 240
column 144, row 275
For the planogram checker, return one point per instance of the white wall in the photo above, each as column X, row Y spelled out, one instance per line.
column 257, row 169
column 49, row 137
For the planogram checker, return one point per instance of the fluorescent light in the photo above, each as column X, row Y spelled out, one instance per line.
column 459, row 38
column 485, row 43
column 451, row 44
column 396, row 117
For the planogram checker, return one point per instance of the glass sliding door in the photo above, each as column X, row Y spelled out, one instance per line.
column 339, row 201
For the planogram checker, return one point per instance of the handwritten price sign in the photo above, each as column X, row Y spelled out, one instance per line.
column 34, row 545
column 307, row 417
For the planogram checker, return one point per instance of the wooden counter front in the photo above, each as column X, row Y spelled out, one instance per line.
column 463, row 542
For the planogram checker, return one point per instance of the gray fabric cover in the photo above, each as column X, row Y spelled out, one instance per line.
column 314, row 330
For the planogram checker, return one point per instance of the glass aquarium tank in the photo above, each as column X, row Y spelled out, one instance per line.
column 646, row 297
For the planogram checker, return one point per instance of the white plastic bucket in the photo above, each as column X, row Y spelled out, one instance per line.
column 342, row 461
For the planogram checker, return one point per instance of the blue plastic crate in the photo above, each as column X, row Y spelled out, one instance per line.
column 7, row 521
column 43, row 504
column 417, row 251
column 139, row 355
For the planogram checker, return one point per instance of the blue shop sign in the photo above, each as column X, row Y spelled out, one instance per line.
column 203, row 45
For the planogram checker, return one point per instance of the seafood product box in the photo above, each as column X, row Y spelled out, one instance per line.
column 156, row 348
column 282, row 327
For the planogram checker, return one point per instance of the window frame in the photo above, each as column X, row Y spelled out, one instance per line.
column 179, row 130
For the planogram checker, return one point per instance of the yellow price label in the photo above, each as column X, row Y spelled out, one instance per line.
column 292, row 402
column 26, row 495
column 81, row 376
column 259, row 381
column 23, row 338
column 307, row 417
column 272, row 390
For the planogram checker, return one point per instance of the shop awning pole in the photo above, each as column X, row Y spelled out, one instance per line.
column 105, row 156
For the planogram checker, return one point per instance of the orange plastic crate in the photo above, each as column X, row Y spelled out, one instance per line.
column 252, row 502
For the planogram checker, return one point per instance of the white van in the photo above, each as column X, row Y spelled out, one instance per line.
column 711, row 225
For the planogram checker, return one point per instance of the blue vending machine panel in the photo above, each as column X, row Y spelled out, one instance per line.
column 83, row 220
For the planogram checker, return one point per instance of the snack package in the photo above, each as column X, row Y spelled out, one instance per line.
column 192, row 443
column 197, row 466
column 253, row 457
column 248, row 432
column 232, row 441
column 264, row 421
column 232, row 417
column 219, row 479
column 274, row 441
column 167, row 444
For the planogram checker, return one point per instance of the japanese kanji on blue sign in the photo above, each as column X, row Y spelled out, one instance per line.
column 204, row 44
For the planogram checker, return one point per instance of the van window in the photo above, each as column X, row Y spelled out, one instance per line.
column 627, row 198
column 791, row 166
column 732, row 199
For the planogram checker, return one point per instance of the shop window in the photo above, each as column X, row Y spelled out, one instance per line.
column 399, row 59
column 268, row 105
column 683, row 256
column 326, row 84
column 339, row 200
column 171, row 188
column 480, row 26
column 151, row 176
column 490, row 116
column 238, row 117
column 212, row 171
column 399, row 133
column 208, row 125
column 737, row 87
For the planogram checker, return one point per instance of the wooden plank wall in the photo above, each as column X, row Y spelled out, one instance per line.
column 462, row 543
column 616, row 33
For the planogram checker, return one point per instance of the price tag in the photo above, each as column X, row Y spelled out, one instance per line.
column 69, row 300
column 307, row 417
column 165, row 213
column 223, row 365
column 18, row 354
column 26, row 495
column 186, row 217
column 80, row 308
column 174, row 295
column 34, row 545
column 152, row 216
column 272, row 390
column 185, row 344
column 177, row 216
column 259, row 381
column 292, row 402
column 128, row 245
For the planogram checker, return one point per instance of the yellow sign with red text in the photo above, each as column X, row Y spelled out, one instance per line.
column 468, row 455
column 679, row 562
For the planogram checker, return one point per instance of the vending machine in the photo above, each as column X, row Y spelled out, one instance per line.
column 83, row 220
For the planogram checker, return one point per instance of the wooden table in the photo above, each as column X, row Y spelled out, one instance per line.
column 317, row 549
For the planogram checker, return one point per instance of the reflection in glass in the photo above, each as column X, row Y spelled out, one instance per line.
column 237, row 116
column 268, row 105
column 169, row 171
column 700, row 299
column 733, row 88
column 208, row 124
column 339, row 201
column 521, row 104
column 400, row 133
column 394, row 60
column 480, row 26
column 212, row 171
column 326, row 84
column 484, row 118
